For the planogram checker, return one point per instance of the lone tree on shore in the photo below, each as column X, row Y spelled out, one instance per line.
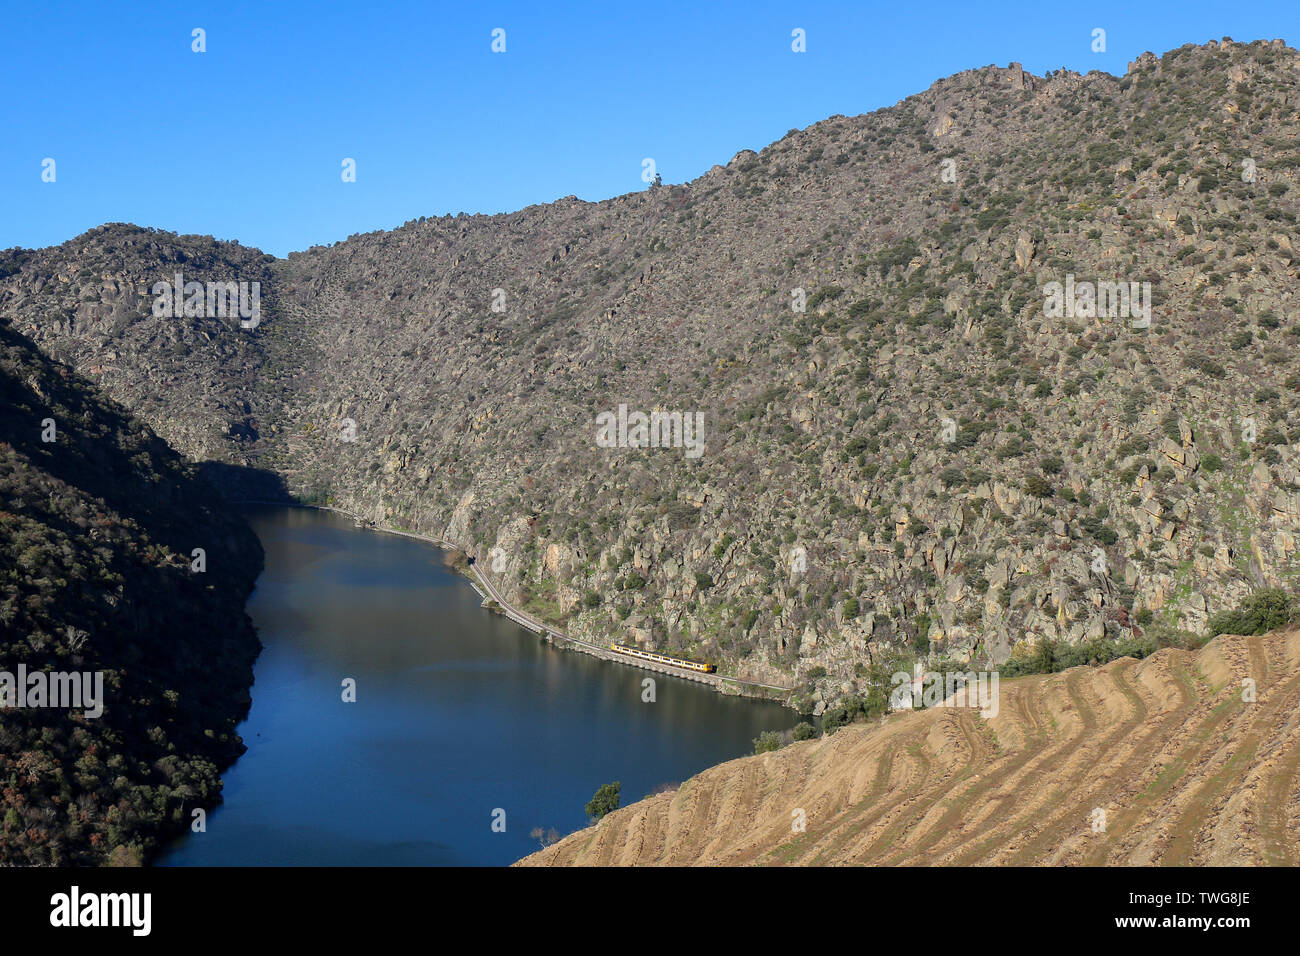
column 605, row 801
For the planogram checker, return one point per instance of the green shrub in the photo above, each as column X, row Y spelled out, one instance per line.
column 1094, row 526
column 1259, row 613
column 1038, row 486
column 604, row 801
column 1049, row 657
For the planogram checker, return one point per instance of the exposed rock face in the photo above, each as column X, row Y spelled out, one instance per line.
column 892, row 416
column 1025, row 247
column 1138, row 763
column 90, row 303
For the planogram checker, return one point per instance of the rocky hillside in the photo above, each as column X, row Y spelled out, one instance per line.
column 89, row 303
column 99, row 522
column 1152, row 762
column 908, row 451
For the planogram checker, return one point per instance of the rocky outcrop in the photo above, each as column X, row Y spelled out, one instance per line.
column 904, row 452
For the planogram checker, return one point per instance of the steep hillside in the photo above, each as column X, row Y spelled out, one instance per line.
column 98, row 528
column 89, row 303
column 1152, row 762
column 924, row 461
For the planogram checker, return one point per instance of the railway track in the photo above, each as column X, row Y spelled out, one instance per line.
column 488, row 591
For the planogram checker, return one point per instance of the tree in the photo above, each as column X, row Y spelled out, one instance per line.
column 605, row 801
column 1259, row 613
column 543, row 836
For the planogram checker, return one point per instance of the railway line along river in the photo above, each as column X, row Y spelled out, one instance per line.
column 459, row 714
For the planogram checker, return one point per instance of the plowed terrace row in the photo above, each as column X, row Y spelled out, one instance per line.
column 1186, row 770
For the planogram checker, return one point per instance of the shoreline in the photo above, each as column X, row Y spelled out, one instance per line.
column 492, row 601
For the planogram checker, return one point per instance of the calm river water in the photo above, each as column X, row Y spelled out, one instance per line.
column 458, row 713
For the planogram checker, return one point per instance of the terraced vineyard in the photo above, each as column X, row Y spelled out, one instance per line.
column 1186, row 770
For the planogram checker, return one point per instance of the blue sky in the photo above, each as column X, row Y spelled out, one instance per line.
column 246, row 140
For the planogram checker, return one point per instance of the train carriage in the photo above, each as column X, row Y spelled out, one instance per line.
column 681, row 662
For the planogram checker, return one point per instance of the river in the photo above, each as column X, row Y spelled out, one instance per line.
column 461, row 717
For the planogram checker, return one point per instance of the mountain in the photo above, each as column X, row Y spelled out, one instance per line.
column 912, row 446
column 1155, row 762
column 99, row 525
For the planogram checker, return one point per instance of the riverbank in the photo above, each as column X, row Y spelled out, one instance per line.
column 493, row 601
column 393, row 721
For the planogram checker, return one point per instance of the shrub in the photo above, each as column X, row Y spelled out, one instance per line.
column 1038, row 486
column 1049, row 657
column 843, row 713
column 1259, row 613
column 1203, row 363
column 923, row 634
column 604, row 801
column 1098, row 530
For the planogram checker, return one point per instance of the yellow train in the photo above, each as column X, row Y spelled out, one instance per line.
column 664, row 659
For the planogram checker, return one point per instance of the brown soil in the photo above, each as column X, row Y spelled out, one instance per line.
column 1186, row 771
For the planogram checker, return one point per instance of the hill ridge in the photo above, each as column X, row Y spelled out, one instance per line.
column 906, row 454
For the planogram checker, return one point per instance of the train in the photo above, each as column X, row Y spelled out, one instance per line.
column 664, row 659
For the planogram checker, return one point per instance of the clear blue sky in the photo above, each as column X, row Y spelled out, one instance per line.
column 245, row 141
